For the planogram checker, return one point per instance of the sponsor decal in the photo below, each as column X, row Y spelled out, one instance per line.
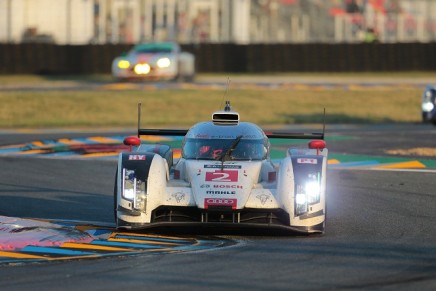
column 219, row 166
column 136, row 157
column 220, row 202
column 179, row 196
column 223, row 136
column 307, row 161
column 202, row 136
column 263, row 198
column 221, row 192
column 233, row 136
column 222, row 176
column 228, row 186
column 204, row 186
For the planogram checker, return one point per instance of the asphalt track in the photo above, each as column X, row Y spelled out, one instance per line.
column 380, row 232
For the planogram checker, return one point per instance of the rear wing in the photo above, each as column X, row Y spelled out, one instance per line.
column 269, row 134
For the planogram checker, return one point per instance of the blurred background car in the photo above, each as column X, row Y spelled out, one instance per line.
column 429, row 104
column 155, row 61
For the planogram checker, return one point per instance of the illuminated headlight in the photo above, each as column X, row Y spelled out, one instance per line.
column 123, row 64
column 300, row 203
column 312, row 191
column 307, row 193
column 427, row 106
column 163, row 62
column 134, row 189
column 300, row 199
column 142, row 69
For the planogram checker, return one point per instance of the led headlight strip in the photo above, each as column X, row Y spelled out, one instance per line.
column 134, row 189
column 307, row 192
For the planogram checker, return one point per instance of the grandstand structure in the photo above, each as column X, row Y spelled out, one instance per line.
column 79, row 22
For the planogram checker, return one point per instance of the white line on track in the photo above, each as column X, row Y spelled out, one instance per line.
column 405, row 170
column 382, row 169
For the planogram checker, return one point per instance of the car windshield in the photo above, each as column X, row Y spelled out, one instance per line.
column 213, row 149
column 153, row 48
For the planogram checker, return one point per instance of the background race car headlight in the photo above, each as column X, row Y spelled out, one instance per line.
column 123, row 64
column 427, row 106
column 134, row 189
column 142, row 69
column 163, row 62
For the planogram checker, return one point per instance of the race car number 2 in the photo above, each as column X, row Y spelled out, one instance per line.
column 222, row 176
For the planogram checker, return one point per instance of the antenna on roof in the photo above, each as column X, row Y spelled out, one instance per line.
column 323, row 125
column 227, row 89
column 139, row 117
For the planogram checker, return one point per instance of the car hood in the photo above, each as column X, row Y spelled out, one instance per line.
column 227, row 186
column 148, row 57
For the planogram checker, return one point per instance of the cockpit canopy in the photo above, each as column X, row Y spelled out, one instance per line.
column 208, row 141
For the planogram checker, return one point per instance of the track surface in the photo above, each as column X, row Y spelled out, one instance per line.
column 380, row 232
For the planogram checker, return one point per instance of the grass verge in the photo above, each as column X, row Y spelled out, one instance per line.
column 182, row 108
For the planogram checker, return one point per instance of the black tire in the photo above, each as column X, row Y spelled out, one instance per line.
column 424, row 117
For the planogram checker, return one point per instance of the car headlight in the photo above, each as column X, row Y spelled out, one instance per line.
column 300, row 203
column 312, row 192
column 142, row 69
column 134, row 189
column 427, row 106
column 123, row 64
column 307, row 193
column 163, row 62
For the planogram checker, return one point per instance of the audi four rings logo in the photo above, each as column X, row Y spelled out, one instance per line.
column 220, row 202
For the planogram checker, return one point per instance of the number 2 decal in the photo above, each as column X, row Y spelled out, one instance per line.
column 222, row 176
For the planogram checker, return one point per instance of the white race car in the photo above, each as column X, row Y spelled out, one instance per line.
column 224, row 177
column 429, row 104
column 155, row 61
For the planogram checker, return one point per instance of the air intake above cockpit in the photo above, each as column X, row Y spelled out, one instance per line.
column 227, row 116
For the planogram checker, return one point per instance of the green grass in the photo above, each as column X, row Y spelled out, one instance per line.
column 182, row 108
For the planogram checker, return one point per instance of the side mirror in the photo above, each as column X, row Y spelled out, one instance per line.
column 132, row 141
column 317, row 144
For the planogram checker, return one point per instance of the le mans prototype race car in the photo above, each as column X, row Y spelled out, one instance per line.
column 155, row 61
column 224, row 178
column 429, row 104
